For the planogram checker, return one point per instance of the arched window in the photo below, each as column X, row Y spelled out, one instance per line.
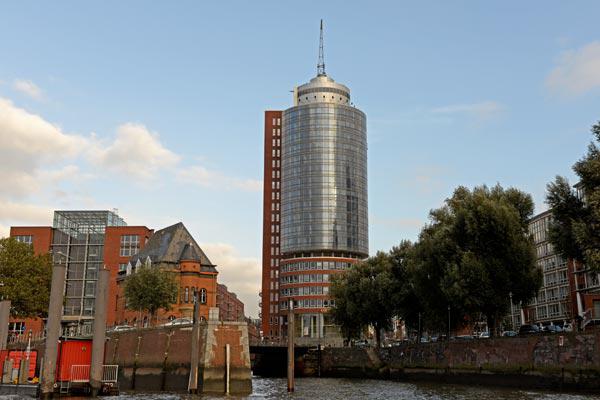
column 203, row 296
column 187, row 295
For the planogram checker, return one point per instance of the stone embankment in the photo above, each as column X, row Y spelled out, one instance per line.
column 560, row 362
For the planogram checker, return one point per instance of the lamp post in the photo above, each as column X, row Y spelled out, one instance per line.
column 512, row 317
column 448, row 322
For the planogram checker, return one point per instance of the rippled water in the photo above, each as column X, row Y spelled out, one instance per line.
column 313, row 388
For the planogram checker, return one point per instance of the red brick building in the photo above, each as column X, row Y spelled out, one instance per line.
column 88, row 240
column 230, row 307
column 175, row 250
column 271, row 255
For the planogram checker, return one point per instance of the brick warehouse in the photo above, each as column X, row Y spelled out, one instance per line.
column 86, row 240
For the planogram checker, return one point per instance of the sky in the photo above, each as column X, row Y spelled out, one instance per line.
column 157, row 108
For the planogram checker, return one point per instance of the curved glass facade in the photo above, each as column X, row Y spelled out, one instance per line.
column 324, row 179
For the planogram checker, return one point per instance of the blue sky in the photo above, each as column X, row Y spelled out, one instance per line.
column 157, row 109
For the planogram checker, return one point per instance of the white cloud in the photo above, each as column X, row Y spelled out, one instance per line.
column 202, row 176
column 27, row 133
column 241, row 275
column 577, row 71
column 482, row 110
column 30, row 150
column 28, row 88
column 136, row 152
column 12, row 213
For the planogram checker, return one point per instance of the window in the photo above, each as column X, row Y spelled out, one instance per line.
column 27, row 239
column 130, row 245
column 203, row 296
column 122, row 269
column 186, row 297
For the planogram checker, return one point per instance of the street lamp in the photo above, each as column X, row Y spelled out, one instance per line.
column 448, row 322
column 512, row 317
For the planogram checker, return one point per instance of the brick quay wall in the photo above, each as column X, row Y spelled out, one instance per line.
column 558, row 362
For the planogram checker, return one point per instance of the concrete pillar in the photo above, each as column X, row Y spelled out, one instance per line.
column 195, row 355
column 23, row 371
column 7, row 371
column 4, row 319
column 57, row 292
column 99, row 331
column 290, row 355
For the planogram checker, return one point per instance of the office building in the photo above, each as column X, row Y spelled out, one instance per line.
column 315, row 217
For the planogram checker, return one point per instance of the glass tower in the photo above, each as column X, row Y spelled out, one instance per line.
column 324, row 205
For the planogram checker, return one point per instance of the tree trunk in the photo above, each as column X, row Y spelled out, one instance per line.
column 377, row 335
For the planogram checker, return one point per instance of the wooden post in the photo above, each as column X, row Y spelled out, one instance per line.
column 227, row 367
column 290, row 337
column 4, row 319
column 99, row 331
column 57, row 292
column 194, row 357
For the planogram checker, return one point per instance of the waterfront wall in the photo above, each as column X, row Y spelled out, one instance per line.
column 158, row 359
column 568, row 362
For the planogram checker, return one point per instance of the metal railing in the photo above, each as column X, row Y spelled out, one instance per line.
column 80, row 373
column 110, row 373
column 24, row 337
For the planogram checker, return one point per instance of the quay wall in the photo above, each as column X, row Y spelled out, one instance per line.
column 560, row 362
column 158, row 359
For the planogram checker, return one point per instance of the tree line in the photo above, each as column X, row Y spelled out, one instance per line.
column 474, row 258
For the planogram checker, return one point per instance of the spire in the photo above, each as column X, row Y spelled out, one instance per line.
column 321, row 64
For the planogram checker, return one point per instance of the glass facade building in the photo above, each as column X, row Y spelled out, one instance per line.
column 324, row 173
column 324, row 203
column 78, row 242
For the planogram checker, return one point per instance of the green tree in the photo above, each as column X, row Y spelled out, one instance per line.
column 364, row 296
column 575, row 230
column 150, row 289
column 24, row 278
column 474, row 252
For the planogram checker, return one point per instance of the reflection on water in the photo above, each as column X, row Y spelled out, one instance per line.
column 345, row 389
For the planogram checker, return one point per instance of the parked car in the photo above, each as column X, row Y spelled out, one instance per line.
column 121, row 328
column 552, row 329
column 178, row 321
column 509, row 334
column 529, row 330
column 462, row 337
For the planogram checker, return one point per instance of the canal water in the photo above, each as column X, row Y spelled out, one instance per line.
column 346, row 389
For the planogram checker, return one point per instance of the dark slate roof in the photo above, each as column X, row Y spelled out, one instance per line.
column 171, row 245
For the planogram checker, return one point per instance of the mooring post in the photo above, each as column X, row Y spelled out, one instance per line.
column 99, row 331
column 57, row 291
column 4, row 320
column 290, row 336
column 227, row 367
column 194, row 358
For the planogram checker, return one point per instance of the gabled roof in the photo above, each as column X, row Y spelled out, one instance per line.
column 172, row 245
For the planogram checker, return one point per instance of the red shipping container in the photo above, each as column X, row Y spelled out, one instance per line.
column 72, row 352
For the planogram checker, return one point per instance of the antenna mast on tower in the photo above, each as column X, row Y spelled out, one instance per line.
column 321, row 64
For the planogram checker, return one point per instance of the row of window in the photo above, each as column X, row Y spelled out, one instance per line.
column 305, row 291
column 27, row 239
column 550, row 311
column 304, row 278
column 309, row 303
column 130, row 245
column 276, row 121
column 193, row 291
column 554, row 278
column 315, row 265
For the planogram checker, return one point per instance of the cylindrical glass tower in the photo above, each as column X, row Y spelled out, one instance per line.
column 324, row 213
